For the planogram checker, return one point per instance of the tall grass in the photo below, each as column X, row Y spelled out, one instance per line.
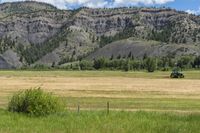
column 100, row 122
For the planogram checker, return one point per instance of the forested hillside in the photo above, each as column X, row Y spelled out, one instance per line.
column 37, row 33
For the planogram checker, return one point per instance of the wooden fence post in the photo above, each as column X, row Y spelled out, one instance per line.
column 108, row 107
column 78, row 109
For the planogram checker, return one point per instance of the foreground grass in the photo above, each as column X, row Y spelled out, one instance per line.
column 195, row 74
column 100, row 122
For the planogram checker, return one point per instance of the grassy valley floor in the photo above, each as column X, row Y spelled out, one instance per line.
column 170, row 105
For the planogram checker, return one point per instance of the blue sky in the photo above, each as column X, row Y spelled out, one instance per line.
column 186, row 5
column 191, row 6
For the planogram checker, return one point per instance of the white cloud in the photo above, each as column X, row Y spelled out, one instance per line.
column 196, row 12
column 88, row 3
column 136, row 2
column 63, row 4
column 114, row 3
column 58, row 3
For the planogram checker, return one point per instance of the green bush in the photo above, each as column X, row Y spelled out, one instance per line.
column 150, row 64
column 35, row 102
column 86, row 65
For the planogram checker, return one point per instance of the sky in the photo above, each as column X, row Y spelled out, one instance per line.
column 190, row 6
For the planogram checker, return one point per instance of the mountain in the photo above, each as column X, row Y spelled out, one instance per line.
column 139, row 48
column 39, row 33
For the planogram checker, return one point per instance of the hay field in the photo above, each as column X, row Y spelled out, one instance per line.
column 125, row 91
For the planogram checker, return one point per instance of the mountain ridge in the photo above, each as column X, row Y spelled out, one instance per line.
column 41, row 33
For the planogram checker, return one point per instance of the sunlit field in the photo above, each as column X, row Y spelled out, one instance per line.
column 91, row 90
column 139, row 101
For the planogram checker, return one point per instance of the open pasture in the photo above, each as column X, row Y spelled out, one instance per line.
column 91, row 90
column 168, row 105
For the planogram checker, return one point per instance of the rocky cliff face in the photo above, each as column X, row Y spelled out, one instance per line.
column 40, row 33
column 30, row 22
column 179, row 27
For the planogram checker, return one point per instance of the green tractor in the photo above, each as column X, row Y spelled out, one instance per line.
column 176, row 74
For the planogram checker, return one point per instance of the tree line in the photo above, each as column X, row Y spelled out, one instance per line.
column 150, row 64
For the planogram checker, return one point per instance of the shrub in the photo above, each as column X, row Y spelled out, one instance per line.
column 86, row 65
column 35, row 102
column 150, row 64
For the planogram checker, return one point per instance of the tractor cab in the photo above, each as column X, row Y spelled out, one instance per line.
column 176, row 74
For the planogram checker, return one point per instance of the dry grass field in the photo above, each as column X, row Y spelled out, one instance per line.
column 125, row 91
column 140, row 102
